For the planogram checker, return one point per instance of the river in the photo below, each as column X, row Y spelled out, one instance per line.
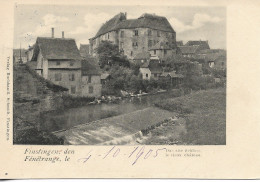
column 81, row 115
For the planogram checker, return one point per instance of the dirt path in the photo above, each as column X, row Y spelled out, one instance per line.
column 122, row 128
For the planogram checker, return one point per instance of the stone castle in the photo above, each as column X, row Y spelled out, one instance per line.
column 135, row 36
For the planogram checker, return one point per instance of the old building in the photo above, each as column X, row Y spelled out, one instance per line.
column 135, row 35
column 162, row 50
column 90, row 79
column 172, row 78
column 19, row 56
column 189, row 51
column 84, row 50
column 142, row 57
column 59, row 61
column 203, row 44
column 151, row 69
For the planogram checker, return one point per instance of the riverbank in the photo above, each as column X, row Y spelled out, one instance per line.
column 204, row 113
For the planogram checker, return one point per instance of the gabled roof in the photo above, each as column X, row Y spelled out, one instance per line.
column 16, row 52
column 84, row 50
column 160, row 46
column 57, row 48
column 89, row 68
column 147, row 21
column 144, row 21
column 154, row 66
column 111, row 24
column 144, row 55
column 189, row 49
column 203, row 44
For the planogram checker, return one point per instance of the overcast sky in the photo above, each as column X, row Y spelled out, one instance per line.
column 83, row 22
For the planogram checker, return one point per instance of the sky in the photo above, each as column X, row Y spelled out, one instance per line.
column 83, row 22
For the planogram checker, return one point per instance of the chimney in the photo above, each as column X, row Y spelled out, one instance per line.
column 63, row 34
column 52, row 32
column 125, row 15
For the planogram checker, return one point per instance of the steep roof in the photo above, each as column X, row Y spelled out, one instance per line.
column 144, row 55
column 189, row 49
column 16, row 52
column 144, row 21
column 84, row 50
column 147, row 21
column 89, row 68
column 160, row 46
column 57, row 48
column 203, row 44
column 111, row 24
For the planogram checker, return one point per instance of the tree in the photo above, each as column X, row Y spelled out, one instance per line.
column 108, row 54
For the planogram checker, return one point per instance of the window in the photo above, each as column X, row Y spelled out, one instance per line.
column 71, row 63
column 150, row 43
column 136, row 32
column 167, row 35
column 154, row 42
column 222, row 63
column 122, row 34
column 89, row 79
column 154, row 52
column 57, row 76
column 146, row 75
column 107, row 35
column 58, row 63
column 121, row 45
column 167, row 43
column 131, row 53
column 135, row 44
column 71, row 77
column 73, row 90
column 165, row 52
column 158, row 34
column 149, row 32
column 90, row 89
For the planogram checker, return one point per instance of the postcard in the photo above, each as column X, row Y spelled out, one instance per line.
column 112, row 89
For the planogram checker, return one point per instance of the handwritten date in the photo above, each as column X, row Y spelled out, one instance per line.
column 135, row 155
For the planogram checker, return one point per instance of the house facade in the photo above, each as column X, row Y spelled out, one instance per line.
column 162, row 50
column 90, row 79
column 151, row 69
column 135, row 35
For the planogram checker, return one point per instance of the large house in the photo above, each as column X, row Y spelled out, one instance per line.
column 59, row 60
column 192, row 48
column 135, row 35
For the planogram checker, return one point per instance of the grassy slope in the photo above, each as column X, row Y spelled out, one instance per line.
column 205, row 115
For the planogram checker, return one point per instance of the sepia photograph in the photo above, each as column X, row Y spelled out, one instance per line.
column 119, row 75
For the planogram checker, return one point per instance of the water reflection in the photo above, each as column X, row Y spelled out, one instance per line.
column 81, row 115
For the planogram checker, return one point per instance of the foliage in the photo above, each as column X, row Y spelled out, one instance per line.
column 34, row 137
column 108, row 54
